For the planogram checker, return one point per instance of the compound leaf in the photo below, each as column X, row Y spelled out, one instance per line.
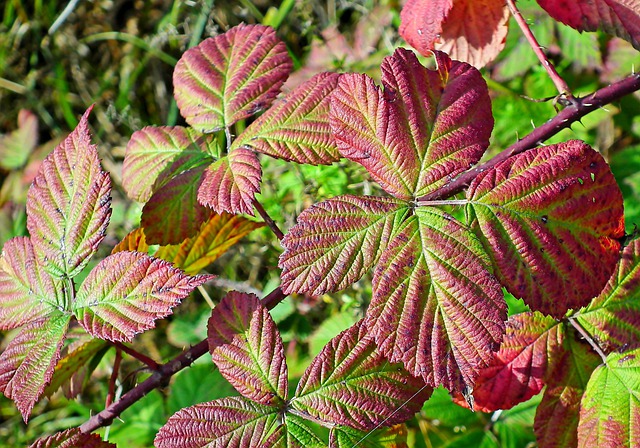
column 351, row 383
column 550, row 219
column 346, row 437
column 134, row 241
column 127, row 291
column 230, row 77
column 436, row 308
column 72, row 438
column 246, row 346
column 336, row 241
column 230, row 184
column 233, row 422
column 69, row 204
column 297, row 127
column 424, row 128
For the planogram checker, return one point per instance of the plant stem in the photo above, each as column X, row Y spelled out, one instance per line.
column 589, row 339
column 137, row 355
column 114, row 377
column 267, row 219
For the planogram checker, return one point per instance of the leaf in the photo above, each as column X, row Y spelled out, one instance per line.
column 215, row 237
column 613, row 318
column 617, row 17
column 230, row 184
column 173, row 212
column 423, row 129
column 69, row 204
column 472, row 31
column 246, row 346
column 435, row 306
column 299, row 434
column 27, row 292
column 549, row 218
column 610, row 407
column 155, row 154
column 351, row 383
column 297, row 127
column 27, row 364
column 230, row 77
column 72, row 438
column 528, row 353
column 127, row 291
column 233, row 422
column 335, row 242
column 134, row 241
column 16, row 147
column 346, row 437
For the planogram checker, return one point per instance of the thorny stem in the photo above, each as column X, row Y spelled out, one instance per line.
column 588, row 338
column 137, row 355
column 267, row 219
column 561, row 85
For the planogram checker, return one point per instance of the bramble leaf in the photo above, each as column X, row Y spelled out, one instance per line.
column 28, row 292
column 423, row 129
column 16, row 147
column 233, row 422
column 246, row 346
column 230, row 77
column 127, row 291
column 28, row 362
column 156, row 154
column 436, row 308
column 69, row 204
column 72, row 438
column 335, row 242
column 297, row 127
column 351, row 383
column 610, row 407
column 472, row 31
column 549, row 219
column 345, row 437
column 299, row 434
column 134, row 241
column 214, row 238
column 230, row 185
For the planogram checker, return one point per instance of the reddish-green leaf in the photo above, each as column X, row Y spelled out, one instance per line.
column 16, row 147
column 297, row 127
column 618, row 17
column 335, row 242
column 233, row 422
column 351, row 383
column 230, row 77
column 69, row 204
column 246, row 346
column 156, row 154
column 27, row 292
column 435, row 306
column 345, row 437
column 230, row 184
column 72, row 438
column 472, row 31
column 215, row 237
column 27, row 364
column 127, row 291
column 610, row 407
column 550, row 219
column 134, row 241
column 173, row 212
column 424, row 128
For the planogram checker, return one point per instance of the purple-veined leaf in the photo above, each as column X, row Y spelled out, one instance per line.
column 613, row 318
column 127, row 291
column 346, row 437
column 424, row 128
column 246, row 346
column 436, row 308
column 335, row 242
column 214, row 238
column 230, row 184
column 610, row 407
column 16, row 147
column 233, row 422
column 134, row 241
column 351, row 383
column 297, row 127
column 230, row 77
column 156, row 154
column 28, row 362
column 72, row 438
column 550, row 219
column 69, row 204
column 27, row 291
column 173, row 213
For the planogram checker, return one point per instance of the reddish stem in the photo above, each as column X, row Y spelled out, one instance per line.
column 267, row 219
column 589, row 339
column 137, row 355
column 114, row 378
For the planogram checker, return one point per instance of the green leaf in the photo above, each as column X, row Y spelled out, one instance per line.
column 436, row 307
column 299, row 434
column 230, row 77
column 297, row 128
column 16, row 147
column 335, row 242
column 550, row 219
column 69, row 204
column 201, row 380
column 346, row 437
column 328, row 329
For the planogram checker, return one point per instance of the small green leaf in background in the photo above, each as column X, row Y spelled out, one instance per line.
column 16, row 147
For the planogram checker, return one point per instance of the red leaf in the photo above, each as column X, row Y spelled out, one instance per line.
column 230, row 184
column 472, row 31
column 72, row 438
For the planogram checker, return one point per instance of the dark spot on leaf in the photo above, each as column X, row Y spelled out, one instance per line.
column 545, row 218
column 592, row 165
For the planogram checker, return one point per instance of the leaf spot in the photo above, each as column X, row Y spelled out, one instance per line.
column 545, row 218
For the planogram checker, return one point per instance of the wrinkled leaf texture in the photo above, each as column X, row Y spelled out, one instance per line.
column 345, row 437
column 72, row 438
